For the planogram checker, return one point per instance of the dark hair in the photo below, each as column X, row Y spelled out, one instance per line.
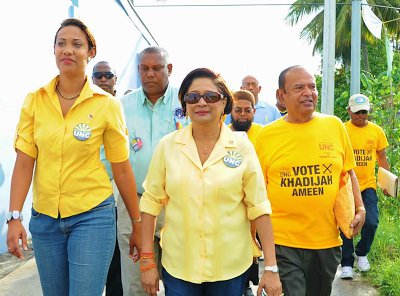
column 155, row 49
column 282, row 76
column 79, row 24
column 206, row 73
column 244, row 95
column 103, row 63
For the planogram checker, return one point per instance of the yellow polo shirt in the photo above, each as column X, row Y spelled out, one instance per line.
column 206, row 235
column 69, row 177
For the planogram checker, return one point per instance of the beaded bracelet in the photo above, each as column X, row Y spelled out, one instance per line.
column 149, row 255
column 148, row 267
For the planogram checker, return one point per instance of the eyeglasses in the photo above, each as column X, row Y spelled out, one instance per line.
column 107, row 75
column 209, row 97
column 363, row 112
column 240, row 110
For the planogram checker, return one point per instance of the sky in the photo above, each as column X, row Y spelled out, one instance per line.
column 233, row 41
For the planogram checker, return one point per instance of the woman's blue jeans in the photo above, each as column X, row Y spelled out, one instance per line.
column 178, row 287
column 73, row 254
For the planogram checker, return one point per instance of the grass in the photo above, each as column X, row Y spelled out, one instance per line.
column 385, row 252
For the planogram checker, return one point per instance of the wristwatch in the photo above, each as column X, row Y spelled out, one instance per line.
column 273, row 268
column 14, row 215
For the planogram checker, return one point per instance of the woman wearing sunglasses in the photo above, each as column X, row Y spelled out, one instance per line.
column 210, row 183
column 61, row 128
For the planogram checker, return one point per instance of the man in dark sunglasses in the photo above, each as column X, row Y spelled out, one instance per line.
column 104, row 76
column 369, row 143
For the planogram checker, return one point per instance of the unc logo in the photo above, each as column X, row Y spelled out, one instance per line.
column 82, row 131
column 178, row 113
column 233, row 159
column 326, row 146
column 360, row 100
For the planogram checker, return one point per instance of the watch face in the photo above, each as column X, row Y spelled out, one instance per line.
column 15, row 214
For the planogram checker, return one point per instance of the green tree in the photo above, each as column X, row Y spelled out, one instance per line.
column 313, row 31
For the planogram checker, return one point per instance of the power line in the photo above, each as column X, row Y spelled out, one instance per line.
column 253, row 4
column 231, row 5
column 382, row 6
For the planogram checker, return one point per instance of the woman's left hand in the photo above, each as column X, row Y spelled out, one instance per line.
column 271, row 284
column 135, row 242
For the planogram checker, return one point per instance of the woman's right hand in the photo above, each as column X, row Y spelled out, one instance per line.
column 150, row 280
column 16, row 231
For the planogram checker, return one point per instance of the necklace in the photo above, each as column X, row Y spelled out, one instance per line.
column 205, row 150
column 65, row 98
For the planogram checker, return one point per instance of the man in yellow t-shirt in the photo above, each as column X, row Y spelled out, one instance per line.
column 303, row 156
column 242, row 114
column 369, row 143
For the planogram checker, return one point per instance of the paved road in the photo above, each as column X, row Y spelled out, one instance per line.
column 24, row 281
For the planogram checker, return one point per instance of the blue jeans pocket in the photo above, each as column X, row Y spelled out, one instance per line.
column 34, row 214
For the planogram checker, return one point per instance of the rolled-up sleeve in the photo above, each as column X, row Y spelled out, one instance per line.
column 154, row 196
column 116, row 141
column 256, row 198
column 24, row 135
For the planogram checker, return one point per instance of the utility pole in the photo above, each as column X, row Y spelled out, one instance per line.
column 355, row 46
column 328, row 62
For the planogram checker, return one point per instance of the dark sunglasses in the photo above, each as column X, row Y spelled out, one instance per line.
column 363, row 112
column 209, row 97
column 107, row 75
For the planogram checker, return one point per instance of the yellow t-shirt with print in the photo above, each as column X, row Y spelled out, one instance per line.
column 302, row 164
column 69, row 177
column 366, row 141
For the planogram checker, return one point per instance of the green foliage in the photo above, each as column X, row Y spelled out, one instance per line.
column 313, row 31
column 385, row 252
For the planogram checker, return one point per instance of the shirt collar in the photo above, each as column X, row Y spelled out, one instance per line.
column 165, row 97
column 227, row 138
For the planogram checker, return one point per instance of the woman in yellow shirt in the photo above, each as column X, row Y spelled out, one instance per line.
column 61, row 128
column 211, row 186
